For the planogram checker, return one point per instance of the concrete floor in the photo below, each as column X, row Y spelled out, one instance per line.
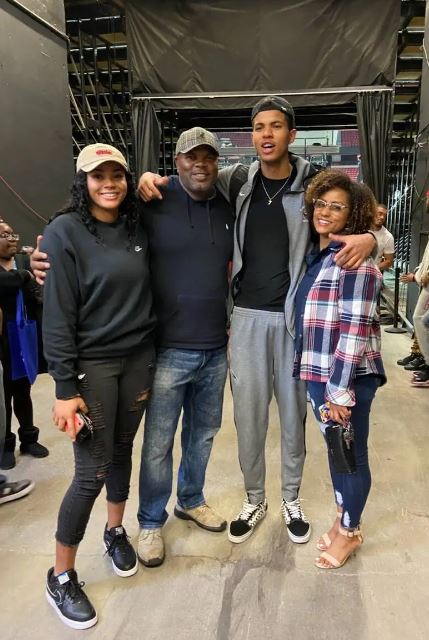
column 266, row 587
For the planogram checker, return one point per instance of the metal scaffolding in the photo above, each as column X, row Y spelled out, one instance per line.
column 400, row 202
column 99, row 83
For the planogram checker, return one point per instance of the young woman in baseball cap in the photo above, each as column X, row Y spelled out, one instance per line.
column 98, row 336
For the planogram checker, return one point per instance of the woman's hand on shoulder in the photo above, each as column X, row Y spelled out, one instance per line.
column 39, row 262
column 63, row 414
column 338, row 413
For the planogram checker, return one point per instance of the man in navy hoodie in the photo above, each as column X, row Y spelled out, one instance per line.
column 191, row 242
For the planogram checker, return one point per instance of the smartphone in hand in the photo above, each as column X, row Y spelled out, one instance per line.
column 84, row 427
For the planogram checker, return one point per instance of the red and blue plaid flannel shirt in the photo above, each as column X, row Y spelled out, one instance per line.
column 341, row 332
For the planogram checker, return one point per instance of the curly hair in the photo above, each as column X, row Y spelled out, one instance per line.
column 362, row 202
column 80, row 203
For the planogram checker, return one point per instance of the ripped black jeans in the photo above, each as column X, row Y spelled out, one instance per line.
column 115, row 391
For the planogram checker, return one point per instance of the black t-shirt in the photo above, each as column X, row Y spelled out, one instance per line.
column 265, row 279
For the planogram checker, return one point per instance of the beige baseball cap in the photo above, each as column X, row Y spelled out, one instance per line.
column 196, row 137
column 93, row 155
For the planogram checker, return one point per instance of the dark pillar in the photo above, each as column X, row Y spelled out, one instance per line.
column 36, row 160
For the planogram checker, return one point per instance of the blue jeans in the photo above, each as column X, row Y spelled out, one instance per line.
column 193, row 381
column 351, row 489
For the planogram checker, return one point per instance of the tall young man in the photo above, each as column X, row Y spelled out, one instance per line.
column 270, row 243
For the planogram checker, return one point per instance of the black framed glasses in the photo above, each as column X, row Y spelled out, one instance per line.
column 9, row 236
column 335, row 207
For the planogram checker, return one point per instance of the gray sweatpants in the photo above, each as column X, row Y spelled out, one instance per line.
column 261, row 361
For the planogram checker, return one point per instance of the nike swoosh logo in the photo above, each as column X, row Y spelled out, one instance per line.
column 137, row 249
column 56, row 595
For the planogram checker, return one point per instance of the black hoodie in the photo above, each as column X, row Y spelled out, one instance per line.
column 97, row 300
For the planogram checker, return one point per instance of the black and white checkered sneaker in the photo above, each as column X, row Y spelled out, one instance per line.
column 298, row 527
column 244, row 524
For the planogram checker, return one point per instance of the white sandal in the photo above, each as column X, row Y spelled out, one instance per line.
column 325, row 541
column 334, row 563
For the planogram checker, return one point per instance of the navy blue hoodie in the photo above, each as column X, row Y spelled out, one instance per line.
column 191, row 244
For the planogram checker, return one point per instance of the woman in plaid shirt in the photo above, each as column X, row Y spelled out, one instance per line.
column 338, row 344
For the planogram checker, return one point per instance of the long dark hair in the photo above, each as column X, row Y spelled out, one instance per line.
column 80, row 203
column 362, row 201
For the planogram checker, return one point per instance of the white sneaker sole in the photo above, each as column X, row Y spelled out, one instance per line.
column 70, row 623
column 245, row 536
column 120, row 572
column 299, row 539
column 19, row 494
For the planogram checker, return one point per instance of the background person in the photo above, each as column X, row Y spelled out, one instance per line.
column 414, row 360
column 15, row 276
column 385, row 241
column 421, row 276
column 98, row 328
column 385, row 249
column 338, row 344
column 9, row 491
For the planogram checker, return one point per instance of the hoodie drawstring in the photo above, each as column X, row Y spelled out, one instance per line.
column 209, row 217
column 189, row 211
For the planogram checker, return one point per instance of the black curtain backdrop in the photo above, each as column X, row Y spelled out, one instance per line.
column 215, row 54
column 147, row 136
column 374, row 116
column 197, row 46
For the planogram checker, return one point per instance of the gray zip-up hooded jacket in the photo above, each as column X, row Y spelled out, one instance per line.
column 298, row 226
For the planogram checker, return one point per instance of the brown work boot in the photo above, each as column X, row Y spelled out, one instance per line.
column 204, row 516
column 150, row 549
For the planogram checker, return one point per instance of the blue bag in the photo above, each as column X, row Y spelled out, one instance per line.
column 23, row 346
